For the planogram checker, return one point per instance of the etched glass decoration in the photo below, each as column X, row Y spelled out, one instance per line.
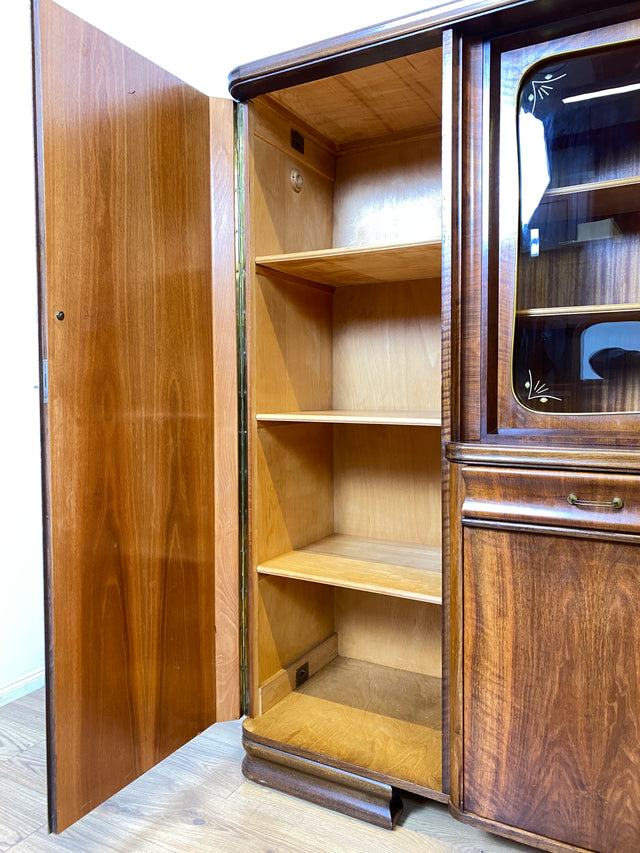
column 577, row 321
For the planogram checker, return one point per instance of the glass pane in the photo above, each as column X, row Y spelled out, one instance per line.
column 577, row 323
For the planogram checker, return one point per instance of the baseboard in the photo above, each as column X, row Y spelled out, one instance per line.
column 27, row 684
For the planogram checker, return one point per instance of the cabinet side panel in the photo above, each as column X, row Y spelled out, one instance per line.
column 551, row 697
column 283, row 220
column 293, row 346
column 130, row 414
column 293, row 618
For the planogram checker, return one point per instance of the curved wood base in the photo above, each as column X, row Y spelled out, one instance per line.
column 355, row 796
column 512, row 833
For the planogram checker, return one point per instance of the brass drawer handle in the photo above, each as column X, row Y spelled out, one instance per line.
column 614, row 503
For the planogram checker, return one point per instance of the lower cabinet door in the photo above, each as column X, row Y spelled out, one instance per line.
column 551, row 645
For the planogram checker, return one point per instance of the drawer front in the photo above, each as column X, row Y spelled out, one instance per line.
column 573, row 499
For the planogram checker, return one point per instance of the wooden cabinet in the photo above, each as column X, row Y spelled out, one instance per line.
column 545, row 486
column 344, row 444
column 375, row 309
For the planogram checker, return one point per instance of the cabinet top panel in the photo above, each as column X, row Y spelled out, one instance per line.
column 398, row 97
column 401, row 37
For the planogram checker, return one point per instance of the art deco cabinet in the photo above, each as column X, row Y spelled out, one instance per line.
column 340, row 423
column 545, row 485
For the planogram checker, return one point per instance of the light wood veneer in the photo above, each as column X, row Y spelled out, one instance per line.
column 365, row 716
column 392, row 568
column 360, row 264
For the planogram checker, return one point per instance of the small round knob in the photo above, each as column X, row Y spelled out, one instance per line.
column 296, row 180
column 60, row 315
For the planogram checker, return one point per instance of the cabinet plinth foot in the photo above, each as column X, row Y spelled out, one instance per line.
column 352, row 795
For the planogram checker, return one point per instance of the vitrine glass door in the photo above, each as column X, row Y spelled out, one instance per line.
column 576, row 334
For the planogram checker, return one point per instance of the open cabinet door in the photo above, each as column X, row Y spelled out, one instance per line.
column 135, row 174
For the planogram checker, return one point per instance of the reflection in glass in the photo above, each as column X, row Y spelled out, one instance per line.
column 577, row 324
column 607, row 348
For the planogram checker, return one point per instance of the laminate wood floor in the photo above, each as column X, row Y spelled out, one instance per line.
column 197, row 800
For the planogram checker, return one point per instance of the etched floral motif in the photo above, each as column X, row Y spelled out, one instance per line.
column 542, row 88
column 538, row 391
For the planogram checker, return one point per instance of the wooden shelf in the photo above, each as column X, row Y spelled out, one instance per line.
column 343, row 416
column 606, row 197
column 360, row 264
column 366, row 716
column 572, row 310
column 392, row 568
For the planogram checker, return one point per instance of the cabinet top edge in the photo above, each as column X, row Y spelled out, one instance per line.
column 397, row 37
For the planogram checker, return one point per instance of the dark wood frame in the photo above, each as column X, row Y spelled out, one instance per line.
column 512, row 419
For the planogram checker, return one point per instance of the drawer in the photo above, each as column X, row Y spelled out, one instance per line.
column 573, row 499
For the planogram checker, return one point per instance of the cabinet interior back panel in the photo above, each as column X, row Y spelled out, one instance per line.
column 389, row 194
column 383, row 630
column 135, row 495
column 386, row 346
column 387, row 483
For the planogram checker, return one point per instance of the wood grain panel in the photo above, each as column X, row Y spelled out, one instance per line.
column 293, row 618
column 387, row 483
column 225, row 390
column 356, row 715
column 392, row 632
column 473, row 313
column 551, row 699
column 402, row 96
column 361, row 264
column 391, row 194
column 131, row 461
column 283, row 220
column 386, row 347
column 293, row 349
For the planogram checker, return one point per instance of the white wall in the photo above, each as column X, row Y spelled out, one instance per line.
column 21, row 631
column 200, row 41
